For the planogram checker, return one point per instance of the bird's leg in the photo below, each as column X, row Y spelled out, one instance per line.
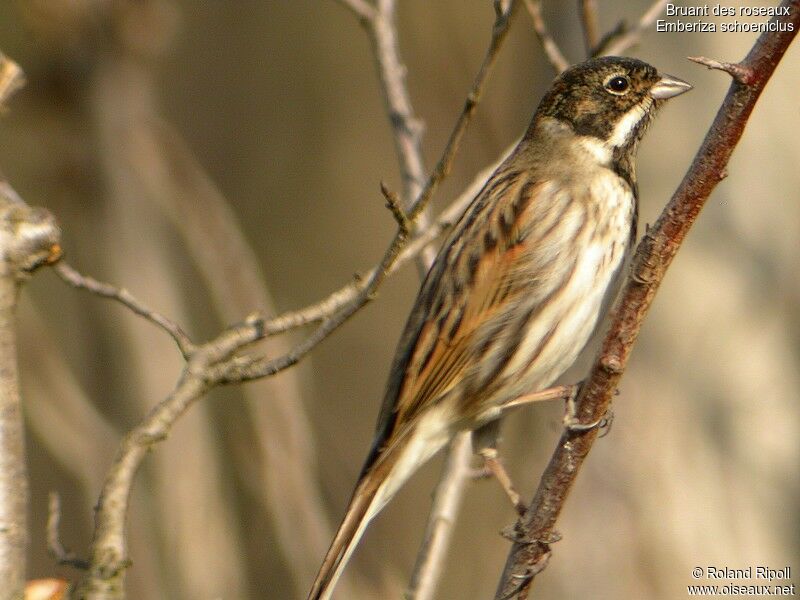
column 496, row 468
column 568, row 393
column 484, row 443
column 559, row 392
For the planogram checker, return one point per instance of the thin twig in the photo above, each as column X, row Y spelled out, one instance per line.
column 282, row 473
column 336, row 300
column 551, row 50
column 393, row 204
column 618, row 44
column 124, row 297
column 591, row 25
column 54, row 545
column 407, row 129
column 205, row 369
column 442, row 168
column 653, row 256
column 740, row 73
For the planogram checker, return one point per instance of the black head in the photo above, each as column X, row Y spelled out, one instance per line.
column 611, row 98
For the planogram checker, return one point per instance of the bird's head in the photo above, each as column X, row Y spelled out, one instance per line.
column 608, row 101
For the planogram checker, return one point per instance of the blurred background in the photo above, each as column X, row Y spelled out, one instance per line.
column 216, row 157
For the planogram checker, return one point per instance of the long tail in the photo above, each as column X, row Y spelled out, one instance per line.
column 368, row 499
column 386, row 471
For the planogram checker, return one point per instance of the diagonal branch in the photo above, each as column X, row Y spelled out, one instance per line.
column 407, row 134
column 620, row 40
column 204, row 370
column 653, row 256
column 124, row 297
column 591, row 25
column 360, row 8
column 553, row 53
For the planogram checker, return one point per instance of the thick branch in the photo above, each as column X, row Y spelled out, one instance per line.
column 653, row 256
column 29, row 238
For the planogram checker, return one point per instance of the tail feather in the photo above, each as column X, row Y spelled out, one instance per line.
column 385, row 473
column 365, row 504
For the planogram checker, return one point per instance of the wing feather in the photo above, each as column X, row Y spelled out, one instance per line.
column 439, row 338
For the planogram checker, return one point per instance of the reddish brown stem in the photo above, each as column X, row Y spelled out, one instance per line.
column 653, row 256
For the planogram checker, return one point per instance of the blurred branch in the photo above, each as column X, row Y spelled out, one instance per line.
column 653, row 256
column 408, row 141
column 109, row 548
column 361, row 8
column 124, row 297
column 447, row 497
column 551, row 50
column 206, row 367
column 621, row 39
column 11, row 78
column 54, row 545
column 29, row 238
column 591, row 25
column 281, row 472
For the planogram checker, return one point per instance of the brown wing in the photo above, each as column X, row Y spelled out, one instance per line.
column 465, row 287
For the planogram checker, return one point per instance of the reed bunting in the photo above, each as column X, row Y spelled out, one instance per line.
column 519, row 284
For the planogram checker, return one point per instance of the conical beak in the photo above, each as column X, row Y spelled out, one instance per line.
column 669, row 87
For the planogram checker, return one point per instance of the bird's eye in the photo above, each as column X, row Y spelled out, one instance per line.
column 618, row 84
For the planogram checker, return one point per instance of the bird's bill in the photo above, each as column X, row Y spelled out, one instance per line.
column 669, row 86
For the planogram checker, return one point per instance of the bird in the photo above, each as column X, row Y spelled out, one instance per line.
column 519, row 284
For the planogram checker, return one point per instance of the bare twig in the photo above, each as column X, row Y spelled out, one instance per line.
column 124, row 297
column 282, row 473
column 407, row 132
column 444, row 512
column 442, row 168
column 653, row 256
column 407, row 129
column 619, row 43
column 393, row 204
column 54, row 545
column 207, row 367
column 591, row 25
column 551, row 50
column 336, row 300
column 29, row 238
column 740, row 73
